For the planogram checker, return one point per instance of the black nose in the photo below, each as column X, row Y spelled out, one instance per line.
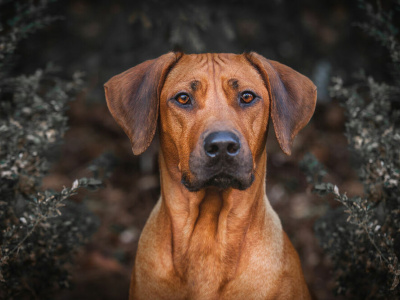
column 221, row 143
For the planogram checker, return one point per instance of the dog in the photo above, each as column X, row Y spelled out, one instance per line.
column 213, row 233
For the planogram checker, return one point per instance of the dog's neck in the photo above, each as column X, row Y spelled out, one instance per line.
column 209, row 227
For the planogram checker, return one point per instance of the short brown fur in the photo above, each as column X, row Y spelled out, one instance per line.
column 213, row 243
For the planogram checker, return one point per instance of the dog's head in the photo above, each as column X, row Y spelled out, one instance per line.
column 213, row 110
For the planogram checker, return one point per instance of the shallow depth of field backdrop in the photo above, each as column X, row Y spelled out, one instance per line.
column 103, row 38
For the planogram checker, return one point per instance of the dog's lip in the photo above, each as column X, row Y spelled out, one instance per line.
column 223, row 180
column 222, row 175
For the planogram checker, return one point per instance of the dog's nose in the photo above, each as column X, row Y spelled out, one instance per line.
column 221, row 143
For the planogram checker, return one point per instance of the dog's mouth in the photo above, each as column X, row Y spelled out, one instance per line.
column 221, row 181
column 221, row 159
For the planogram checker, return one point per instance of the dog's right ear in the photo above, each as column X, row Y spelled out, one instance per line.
column 133, row 97
column 293, row 97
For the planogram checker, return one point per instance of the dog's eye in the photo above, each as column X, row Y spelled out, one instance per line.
column 183, row 99
column 247, row 97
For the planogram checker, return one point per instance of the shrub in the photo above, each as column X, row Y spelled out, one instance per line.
column 40, row 229
column 363, row 235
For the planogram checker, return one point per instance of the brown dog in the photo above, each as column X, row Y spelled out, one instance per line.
column 213, row 233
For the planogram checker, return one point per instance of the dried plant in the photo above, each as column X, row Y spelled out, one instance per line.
column 363, row 235
column 40, row 229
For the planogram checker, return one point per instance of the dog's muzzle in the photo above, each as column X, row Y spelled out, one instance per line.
column 222, row 161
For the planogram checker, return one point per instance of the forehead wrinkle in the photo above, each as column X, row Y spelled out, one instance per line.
column 210, row 63
column 218, row 61
column 181, row 72
column 201, row 58
column 221, row 58
column 216, row 76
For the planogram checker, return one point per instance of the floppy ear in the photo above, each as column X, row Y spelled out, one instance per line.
column 132, row 98
column 293, row 97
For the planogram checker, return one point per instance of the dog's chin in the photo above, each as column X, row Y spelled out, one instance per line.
column 219, row 181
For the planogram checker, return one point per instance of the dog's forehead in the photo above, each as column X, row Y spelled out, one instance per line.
column 213, row 65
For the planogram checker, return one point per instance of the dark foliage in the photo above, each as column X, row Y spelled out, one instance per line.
column 362, row 236
column 40, row 229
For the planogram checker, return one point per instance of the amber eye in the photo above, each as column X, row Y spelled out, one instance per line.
column 247, row 97
column 183, row 98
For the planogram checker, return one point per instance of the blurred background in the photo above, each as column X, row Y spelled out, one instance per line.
column 319, row 39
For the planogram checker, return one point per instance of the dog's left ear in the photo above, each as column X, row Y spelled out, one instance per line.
column 132, row 98
column 293, row 97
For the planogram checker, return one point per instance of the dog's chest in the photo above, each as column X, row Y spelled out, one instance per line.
column 212, row 256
